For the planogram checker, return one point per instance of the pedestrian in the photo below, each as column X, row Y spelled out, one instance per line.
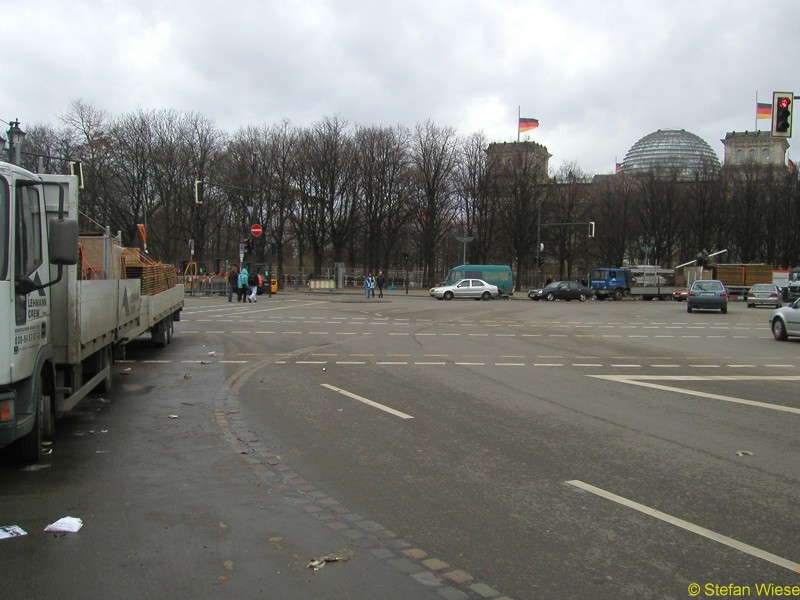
column 252, row 287
column 243, row 279
column 369, row 285
column 233, row 282
column 381, row 281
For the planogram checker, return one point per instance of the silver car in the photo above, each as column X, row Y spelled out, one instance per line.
column 785, row 321
column 466, row 288
column 764, row 294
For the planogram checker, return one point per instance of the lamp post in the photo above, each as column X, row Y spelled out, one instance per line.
column 465, row 239
column 15, row 137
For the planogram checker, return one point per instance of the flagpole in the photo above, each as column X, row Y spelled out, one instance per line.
column 519, row 116
column 756, row 119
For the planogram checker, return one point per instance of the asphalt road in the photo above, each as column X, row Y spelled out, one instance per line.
column 460, row 449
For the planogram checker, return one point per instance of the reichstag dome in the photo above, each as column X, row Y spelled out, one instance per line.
column 667, row 150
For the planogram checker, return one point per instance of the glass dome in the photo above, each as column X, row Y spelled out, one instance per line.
column 667, row 150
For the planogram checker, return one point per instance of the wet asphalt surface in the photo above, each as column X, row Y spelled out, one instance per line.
column 179, row 499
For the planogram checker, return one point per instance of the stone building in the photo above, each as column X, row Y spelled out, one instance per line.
column 754, row 147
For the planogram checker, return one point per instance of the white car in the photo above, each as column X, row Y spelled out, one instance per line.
column 785, row 321
column 466, row 288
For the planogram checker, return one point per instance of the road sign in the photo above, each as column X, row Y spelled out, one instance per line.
column 256, row 230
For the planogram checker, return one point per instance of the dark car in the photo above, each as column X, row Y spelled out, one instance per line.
column 707, row 294
column 562, row 290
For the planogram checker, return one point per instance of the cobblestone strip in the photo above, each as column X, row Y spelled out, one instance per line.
column 454, row 583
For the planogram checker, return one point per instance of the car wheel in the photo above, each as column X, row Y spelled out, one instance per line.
column 688, row 308
column 448, row 295
column 582, row 297
column 779, row 330
column 550, row 297
column 749, row 305
column 486, row 296
column 724, row 310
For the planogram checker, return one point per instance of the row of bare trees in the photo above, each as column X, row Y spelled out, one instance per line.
column 368, row 196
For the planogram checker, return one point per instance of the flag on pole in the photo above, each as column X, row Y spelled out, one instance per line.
column 526, row 124
column 618, row 168
column 763, row 110
column 792, row 166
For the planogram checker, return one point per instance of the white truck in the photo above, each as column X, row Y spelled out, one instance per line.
column 59, row 331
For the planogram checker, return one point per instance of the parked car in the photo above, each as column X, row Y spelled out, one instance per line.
column 707, row 294
column 466, row 288
column 562, row 290
column 680, row 295
column 785, row 321
column 764, row 294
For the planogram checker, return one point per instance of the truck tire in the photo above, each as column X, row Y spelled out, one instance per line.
column 28, row 448
column 107, row 384
column 617, row 295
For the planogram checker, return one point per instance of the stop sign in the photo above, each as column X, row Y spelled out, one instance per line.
column 256, row 230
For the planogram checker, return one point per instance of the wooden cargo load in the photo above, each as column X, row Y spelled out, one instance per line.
column 743, row 275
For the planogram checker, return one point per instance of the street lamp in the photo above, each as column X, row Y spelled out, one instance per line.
column 465, row 239
column 15, row 137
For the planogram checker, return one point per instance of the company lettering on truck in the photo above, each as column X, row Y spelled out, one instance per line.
column 36, row 308
column 26, row 337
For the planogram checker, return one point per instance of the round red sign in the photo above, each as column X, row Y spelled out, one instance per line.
column 256, row 230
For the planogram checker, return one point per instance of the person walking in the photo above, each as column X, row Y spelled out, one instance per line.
column 233, row 282
column 381, row 282
column 369, row 285
column 252, row 287
column 243, row 278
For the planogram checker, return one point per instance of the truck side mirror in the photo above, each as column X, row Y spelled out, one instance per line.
column 63, row 240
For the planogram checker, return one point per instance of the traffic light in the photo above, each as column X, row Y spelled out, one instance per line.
column 591, row 229
column 405, row 257
column 782, row 114
column 198, row 191
column 248, row 246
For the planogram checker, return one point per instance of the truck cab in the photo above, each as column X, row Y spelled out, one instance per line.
column 610, row 282
column 793, row 285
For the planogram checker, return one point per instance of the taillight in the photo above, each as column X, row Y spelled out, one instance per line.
column 723, row 295
column 773, row 295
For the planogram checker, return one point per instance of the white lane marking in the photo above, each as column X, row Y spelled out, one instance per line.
column 647, row 381
column 702, row 531
column 382, row 407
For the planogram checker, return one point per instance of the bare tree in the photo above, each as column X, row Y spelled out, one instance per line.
column 434, row 156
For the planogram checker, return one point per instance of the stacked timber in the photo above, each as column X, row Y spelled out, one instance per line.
column 155, row 277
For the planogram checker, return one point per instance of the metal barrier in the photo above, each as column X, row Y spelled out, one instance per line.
column 204, row 285
column 322, row 284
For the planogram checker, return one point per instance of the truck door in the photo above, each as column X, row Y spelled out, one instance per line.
column 31, row 310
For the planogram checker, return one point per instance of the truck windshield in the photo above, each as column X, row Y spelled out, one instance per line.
column 4, row 231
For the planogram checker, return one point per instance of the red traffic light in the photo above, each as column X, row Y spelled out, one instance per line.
column 784, row 102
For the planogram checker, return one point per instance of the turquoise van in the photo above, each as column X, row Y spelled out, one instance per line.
column 499, row 275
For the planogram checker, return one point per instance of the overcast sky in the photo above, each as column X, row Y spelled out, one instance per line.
column 597, row 75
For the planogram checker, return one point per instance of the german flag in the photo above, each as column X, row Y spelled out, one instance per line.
column 763, row 110
column 527, row 124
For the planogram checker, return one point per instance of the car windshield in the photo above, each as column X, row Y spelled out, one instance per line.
column 707, row 286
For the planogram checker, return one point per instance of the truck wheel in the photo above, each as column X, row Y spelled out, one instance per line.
column 617, row 295
column 28, row 448
column 107, row 384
